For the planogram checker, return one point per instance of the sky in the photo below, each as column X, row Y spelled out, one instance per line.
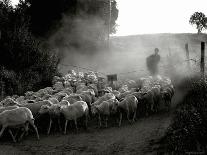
column 156, row 16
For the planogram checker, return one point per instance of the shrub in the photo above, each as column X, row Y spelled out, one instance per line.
column 24, row 65
column 188, row 130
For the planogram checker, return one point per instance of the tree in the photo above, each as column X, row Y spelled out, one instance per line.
column 47, row 16
column 24, row 65
column 200, row 20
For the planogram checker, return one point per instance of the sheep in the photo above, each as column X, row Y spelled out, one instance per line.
column 104, row 109
column 81, row 89
column 59, row 96
column 167, row 94
column 68, row 90
column 73, row 98
column 14, row 97
column 26, row 102
column 53, row 100
column 46, row 97
column 75, row 111
column 106, row 97
column 17, row 117
column 105, row 90
column 88, row 96
column 49, row 90
column 56, row 79
column 138, row 95
column 127, row 105
column 20, row 99
column 28, row 94
column 53, row 113
column 156, row 97
column 128, row 92
column 64, row 103
column 94, row 87
column 41, row 92
column 131, row 84
column 58, row 86
column 108, row 89
column 79, row 85
column 123, row 89
column 123, row 95
column 8, row 108
column 66, row 84
column 116, row 93
column 8, row 102
column 35, row 107
column 147, row 101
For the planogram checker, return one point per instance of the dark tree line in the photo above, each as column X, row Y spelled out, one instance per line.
column 27, row 62
column 24, row 65
column 46, row 15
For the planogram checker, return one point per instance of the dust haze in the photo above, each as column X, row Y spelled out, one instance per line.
column 126, row 55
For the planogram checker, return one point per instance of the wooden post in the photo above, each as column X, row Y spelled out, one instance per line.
column 202, row 65
column 187, row 55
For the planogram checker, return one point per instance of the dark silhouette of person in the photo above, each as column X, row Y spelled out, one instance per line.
column 152, row 62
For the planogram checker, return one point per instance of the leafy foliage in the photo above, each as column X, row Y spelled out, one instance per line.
column 24, row 64
column 188, row 131
column 200, row 20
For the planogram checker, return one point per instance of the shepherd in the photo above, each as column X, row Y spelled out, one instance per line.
column 152, row 62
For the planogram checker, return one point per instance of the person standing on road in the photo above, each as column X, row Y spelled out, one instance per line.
column 152, row 62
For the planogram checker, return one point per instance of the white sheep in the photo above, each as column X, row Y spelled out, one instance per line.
column 54, row 112
column 75, row 111
column 17, row 117
column 127, row 105
column 104, row 110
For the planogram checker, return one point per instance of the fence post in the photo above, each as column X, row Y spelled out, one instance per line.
column 202, row 65
column 187, row 55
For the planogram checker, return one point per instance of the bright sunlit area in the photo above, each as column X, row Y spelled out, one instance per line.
column 160, row 16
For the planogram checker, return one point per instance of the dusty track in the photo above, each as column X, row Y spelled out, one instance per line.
column 135, row 139
column 128, row 139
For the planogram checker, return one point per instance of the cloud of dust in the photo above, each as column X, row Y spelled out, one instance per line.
column 81, row 42
column 127, row 55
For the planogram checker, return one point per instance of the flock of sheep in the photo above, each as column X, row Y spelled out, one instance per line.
column 85, row 96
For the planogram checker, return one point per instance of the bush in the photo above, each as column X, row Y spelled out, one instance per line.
column 188, row 130
column 24, row 65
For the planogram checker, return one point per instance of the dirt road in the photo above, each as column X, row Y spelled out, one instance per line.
column 133, row 139
column 128, row 139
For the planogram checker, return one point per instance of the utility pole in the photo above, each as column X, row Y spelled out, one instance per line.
column 109, row 24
